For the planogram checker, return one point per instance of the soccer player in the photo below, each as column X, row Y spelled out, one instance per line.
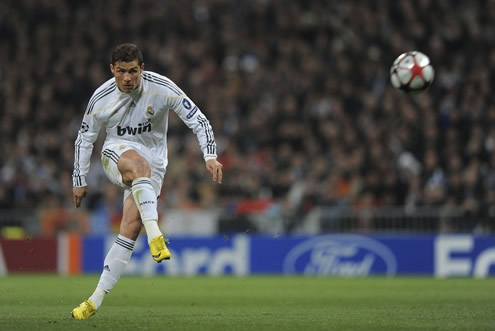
column 133, row 107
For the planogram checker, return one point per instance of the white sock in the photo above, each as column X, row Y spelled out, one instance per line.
column 145, row 198
column 97, row 297
column 152, row 229
column 114, row 265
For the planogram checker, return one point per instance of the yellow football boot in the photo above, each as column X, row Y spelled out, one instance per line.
column 84, row 311
column 159, row 250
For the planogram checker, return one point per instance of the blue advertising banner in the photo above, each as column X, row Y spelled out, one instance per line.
column 326, row 255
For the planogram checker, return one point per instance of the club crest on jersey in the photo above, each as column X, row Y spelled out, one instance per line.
column 149, row 111
column 129, row 130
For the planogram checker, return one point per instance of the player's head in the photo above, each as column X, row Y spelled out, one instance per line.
column 127, row 65
column 127, row 53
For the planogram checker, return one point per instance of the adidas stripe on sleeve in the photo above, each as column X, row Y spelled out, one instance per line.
column 86, row 136
column 199, row 124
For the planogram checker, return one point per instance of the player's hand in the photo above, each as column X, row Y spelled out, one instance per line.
column 215, row 169
column 78, row 193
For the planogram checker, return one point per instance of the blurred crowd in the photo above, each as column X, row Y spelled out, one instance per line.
column 297, row 92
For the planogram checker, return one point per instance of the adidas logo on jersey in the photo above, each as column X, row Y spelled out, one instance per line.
column 141, row 128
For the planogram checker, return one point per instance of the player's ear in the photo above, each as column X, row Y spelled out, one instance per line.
column 112, row 69
column 142, row 66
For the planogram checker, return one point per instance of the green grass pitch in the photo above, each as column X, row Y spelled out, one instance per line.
column 251, row 303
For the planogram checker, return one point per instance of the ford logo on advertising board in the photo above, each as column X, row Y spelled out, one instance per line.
column 340, row 255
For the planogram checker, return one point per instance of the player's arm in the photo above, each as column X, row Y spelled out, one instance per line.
column 83, row 147
column 199, row 124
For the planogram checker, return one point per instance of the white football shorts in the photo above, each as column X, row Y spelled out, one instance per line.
column 110, row 155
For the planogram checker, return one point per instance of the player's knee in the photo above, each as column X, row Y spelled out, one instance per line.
column 135, row 168
column 141, row 168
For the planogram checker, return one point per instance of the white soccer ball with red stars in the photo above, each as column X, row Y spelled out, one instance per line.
column 412, row 72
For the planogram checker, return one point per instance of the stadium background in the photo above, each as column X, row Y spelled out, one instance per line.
column 313, row 138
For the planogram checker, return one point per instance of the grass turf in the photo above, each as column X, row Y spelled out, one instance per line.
column 251, row 303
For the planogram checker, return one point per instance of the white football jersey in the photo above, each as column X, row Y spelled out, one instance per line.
column 138, row 117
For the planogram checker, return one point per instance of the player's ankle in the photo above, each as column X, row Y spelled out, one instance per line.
column 97, row 297
column 152, row 229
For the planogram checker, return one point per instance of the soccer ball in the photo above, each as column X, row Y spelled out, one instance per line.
column 412, row 72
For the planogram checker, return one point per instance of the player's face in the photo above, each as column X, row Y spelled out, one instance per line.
column 127, row 75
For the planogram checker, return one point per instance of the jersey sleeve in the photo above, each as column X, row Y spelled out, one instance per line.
column 192, row 116
column 83, row 147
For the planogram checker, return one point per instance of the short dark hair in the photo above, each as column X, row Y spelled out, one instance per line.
column 127, row 53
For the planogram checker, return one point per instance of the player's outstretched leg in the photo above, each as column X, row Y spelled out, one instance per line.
column 145, row 198
column 114, row 265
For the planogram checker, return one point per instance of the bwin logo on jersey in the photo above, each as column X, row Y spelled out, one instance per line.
column 141, row 128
